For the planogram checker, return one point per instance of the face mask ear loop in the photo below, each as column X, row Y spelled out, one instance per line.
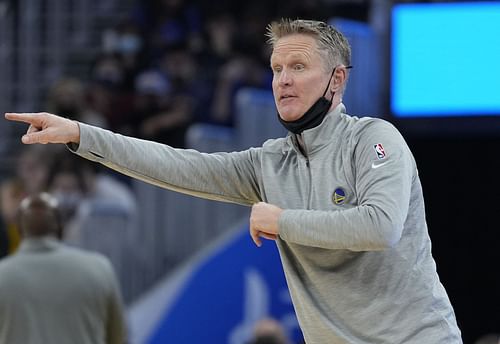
column 329, row 81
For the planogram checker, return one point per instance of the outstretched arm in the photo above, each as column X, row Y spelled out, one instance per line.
column 226, row 177
column 47, row 128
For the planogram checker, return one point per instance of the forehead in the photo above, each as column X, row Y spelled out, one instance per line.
column 295, row 45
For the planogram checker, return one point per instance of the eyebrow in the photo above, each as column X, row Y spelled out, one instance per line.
column 294, row 57
column 298, row 56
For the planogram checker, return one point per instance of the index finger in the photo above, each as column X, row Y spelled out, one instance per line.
column 255, row 237
column 23, row 117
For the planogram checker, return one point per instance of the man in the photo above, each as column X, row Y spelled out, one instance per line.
column 50, row 293
column 340, row 195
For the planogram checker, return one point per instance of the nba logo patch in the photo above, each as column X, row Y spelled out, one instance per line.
column 379, row 150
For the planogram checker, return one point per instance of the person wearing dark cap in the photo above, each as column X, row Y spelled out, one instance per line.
column 52, row 293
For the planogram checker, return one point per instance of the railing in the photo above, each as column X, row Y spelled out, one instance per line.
column 38, row 38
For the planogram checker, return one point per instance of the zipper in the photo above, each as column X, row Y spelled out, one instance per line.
column 308, row 165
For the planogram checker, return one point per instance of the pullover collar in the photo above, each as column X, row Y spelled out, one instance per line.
column 314, row 139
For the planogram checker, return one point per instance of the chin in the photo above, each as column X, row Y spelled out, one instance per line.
column 289, row 116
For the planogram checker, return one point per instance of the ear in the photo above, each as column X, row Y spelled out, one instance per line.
column 339, row 77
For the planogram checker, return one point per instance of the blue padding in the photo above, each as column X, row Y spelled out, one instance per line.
column 226, row 294
column 364, row 92
column 256, row 117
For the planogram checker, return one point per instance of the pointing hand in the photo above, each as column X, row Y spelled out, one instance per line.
column 47, row 128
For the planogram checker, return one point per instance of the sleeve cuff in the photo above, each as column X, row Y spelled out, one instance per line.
column 284, row 225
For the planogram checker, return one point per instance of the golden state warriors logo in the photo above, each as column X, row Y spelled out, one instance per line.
column 338, row 196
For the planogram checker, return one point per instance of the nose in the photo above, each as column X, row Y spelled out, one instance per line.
column 285, row 78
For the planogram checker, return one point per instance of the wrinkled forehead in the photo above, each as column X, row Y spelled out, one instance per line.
column 295, row 45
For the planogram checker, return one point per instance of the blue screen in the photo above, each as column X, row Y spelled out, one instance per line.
column 445, row 59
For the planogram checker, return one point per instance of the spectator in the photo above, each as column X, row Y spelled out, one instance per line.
column 32, row 168
column 164, row 104
column 79, row 188
column 11, row 194
column 126, row 43
column 248, row 65
column 108, row 94
column 50, row 293
column 67, row 96
column 269, row 331
column 170, row 22
column 4, row 240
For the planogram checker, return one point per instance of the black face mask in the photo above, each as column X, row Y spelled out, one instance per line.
column 312, row 117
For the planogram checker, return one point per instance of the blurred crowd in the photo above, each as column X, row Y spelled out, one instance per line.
column 165, row 66
column 174, row 62
column 75, row 183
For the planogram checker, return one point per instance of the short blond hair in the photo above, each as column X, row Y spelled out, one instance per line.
column 332, row 44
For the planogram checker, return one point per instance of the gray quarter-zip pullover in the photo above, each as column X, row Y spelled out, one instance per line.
column 353, row 238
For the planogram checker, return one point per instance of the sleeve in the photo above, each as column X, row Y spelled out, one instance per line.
column 228, row 177
column 383, row 170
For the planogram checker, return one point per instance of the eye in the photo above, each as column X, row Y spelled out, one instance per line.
column 276, row 69
column 298, row 67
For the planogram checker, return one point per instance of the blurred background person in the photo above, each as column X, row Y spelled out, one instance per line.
column 32, row 168
column 3, row 240
column 269, row 331
column 80, row 187
column 68, row 96
column 29, row 176
column 51, row 293
column 163, row 107
column 11, row 194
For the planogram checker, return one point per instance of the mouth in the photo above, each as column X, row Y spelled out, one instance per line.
column 286, row 97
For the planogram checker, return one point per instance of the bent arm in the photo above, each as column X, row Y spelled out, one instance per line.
column 226, row 177
column 376, row 222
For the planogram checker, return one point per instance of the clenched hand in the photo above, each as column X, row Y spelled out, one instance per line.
column 264, row 222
